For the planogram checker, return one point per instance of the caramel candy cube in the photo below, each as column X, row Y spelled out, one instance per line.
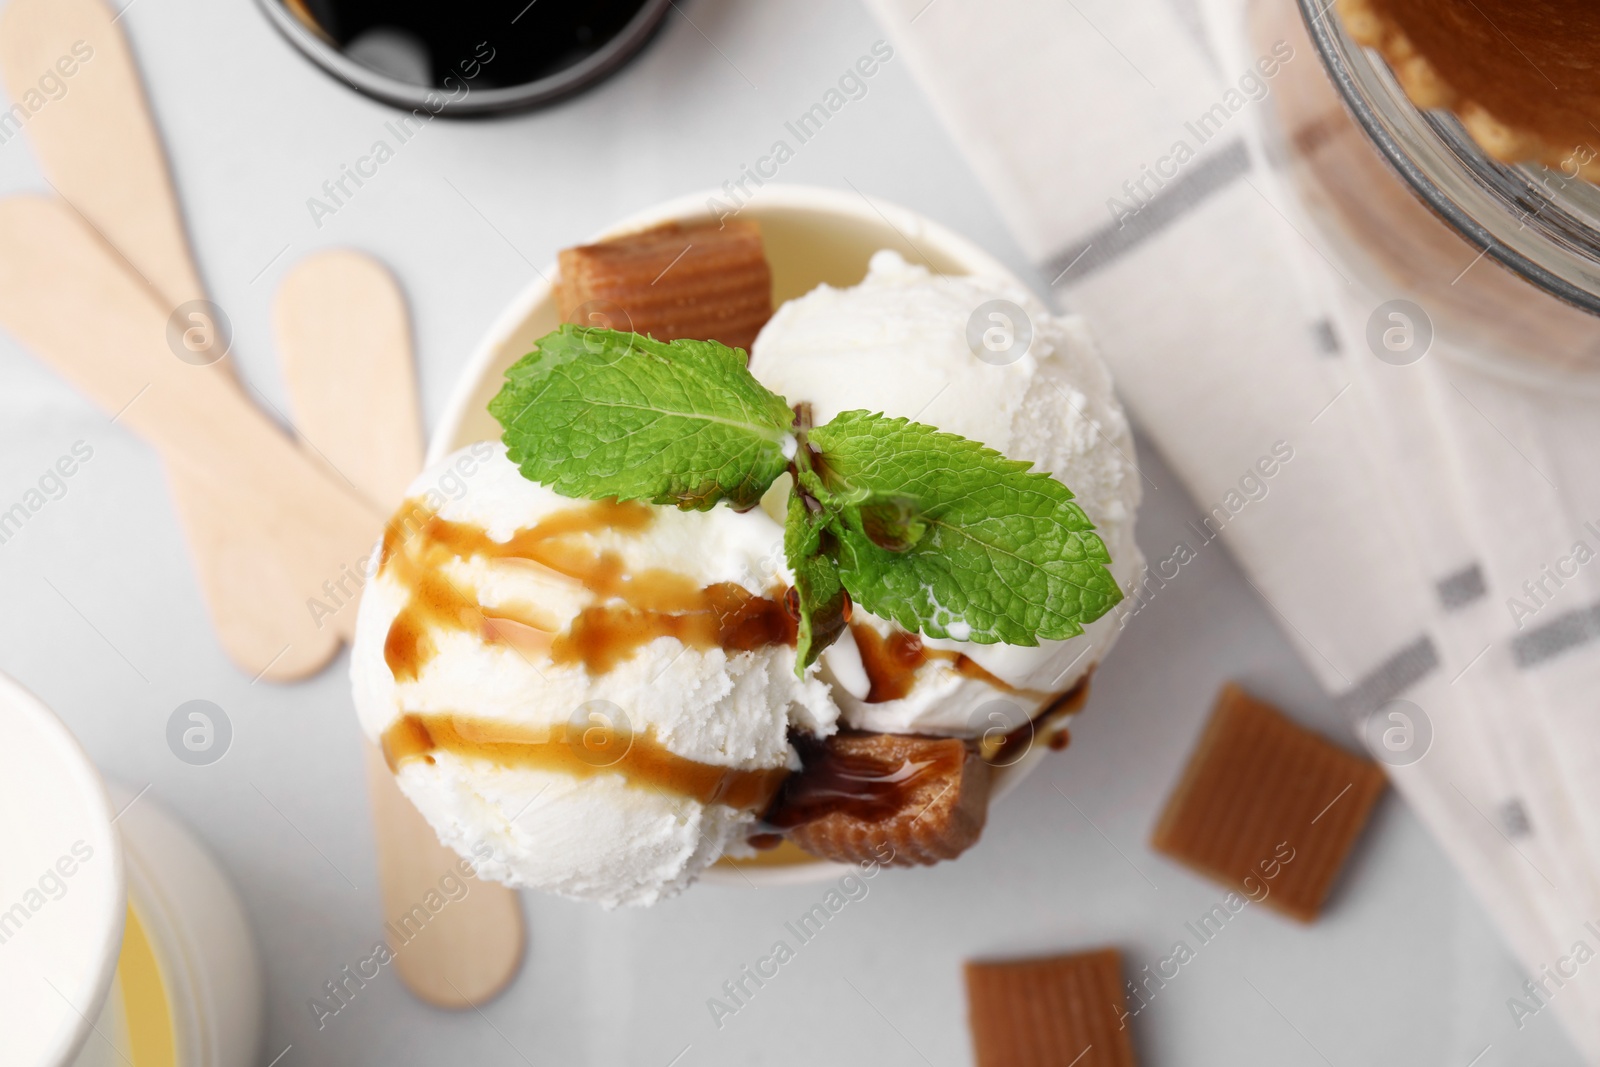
column 1052, row 1011
column 886, row 798
column 1267, row 806
column 699, row 281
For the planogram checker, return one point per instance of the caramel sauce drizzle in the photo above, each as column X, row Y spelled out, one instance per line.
column 1049, row 722
column 873, row 789
column 583, row 751
column 634, row 608
column 892, row 664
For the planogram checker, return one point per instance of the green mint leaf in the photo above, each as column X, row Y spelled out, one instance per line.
column 948, row 537
column 893, row 524
column 820, row 599
column 598, row 413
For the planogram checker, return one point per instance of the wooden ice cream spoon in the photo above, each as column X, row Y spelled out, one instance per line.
column 99, row 149
column 345, row 345
column 67, row 297
column 270, row 526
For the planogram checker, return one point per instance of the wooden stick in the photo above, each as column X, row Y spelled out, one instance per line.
column 97, row 143
column 344, row 341
column 66, row 297
column 468, row 952
column 99, row 149
column 255, row 555
column 345, row 344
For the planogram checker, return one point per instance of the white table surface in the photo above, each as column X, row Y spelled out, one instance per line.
column 103, row 619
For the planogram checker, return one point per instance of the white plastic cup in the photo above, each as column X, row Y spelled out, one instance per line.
column 121, row 941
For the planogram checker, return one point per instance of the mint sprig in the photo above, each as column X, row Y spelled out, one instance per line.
column 822, row 605
column 934, row 531
column 596, row 413
column 948, row 537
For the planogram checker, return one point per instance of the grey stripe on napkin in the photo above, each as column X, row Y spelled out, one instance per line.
column 1390, row 678
column 1463, row 587
column 1180, row 196
column 1564, row 632
column 1325, row 337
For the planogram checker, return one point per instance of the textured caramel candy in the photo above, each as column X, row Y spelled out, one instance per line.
column 1053, row 1011
column 885, row 798
column 700, row 281
column 1266, row 805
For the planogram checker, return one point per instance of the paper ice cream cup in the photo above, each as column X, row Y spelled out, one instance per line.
column 812, row 236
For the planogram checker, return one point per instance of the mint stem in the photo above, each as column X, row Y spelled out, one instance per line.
column 805, row 456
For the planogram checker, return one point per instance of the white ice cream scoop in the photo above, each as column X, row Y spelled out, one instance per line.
column 588, row 698
column 985, row 360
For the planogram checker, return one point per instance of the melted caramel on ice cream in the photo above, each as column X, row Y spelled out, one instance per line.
column 892, row 664
column 582, row 750
column 630, row 609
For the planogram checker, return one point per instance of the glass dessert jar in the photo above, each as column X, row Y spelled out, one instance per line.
column 1505, row 258
column 1544, row 224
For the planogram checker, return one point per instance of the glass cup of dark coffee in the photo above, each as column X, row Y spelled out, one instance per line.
column 467, row 58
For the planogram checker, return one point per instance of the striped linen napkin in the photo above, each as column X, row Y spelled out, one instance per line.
column 1415, row 529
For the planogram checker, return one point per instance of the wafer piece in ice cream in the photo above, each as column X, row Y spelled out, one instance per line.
column 700, row 281
column 862, row 795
